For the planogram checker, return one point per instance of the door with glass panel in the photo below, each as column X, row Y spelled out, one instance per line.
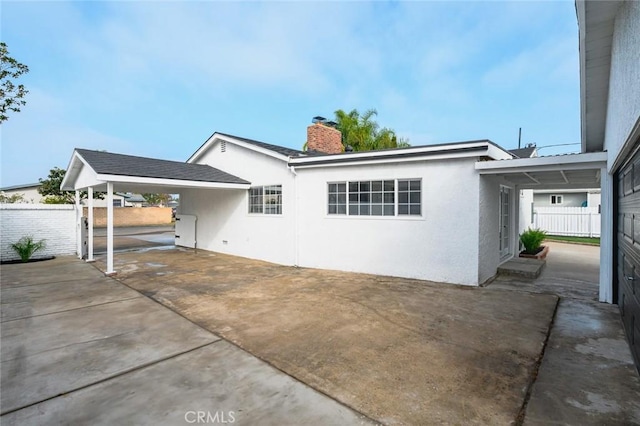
column 505, row 221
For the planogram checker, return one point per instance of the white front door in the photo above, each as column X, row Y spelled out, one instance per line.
column 505, row 221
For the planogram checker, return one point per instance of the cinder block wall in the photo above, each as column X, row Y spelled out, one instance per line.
column 54, row 223
column 131, row 216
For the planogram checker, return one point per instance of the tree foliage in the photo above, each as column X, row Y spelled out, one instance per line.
column 50, row 189
column 157, row 199
column 13, row 198
column 11, row 95
column 362, row 132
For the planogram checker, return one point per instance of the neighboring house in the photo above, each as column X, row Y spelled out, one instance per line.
column 31, row 195
column 29, row 192
column 530, row 151
column 446, row 213
column 132, row 200
column 567, row 198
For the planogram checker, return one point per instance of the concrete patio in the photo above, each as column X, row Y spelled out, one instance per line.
column 81, row 348
column 78, row 347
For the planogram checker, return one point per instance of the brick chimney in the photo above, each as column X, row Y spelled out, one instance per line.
column 324, row 138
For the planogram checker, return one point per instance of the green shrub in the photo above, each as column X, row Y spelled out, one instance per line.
column 26, row 247
column 531, row 239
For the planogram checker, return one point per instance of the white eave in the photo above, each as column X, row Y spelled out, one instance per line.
column 596, row 21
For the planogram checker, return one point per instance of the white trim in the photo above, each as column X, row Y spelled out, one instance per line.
column 216, row 136
column 78, row 225
column 589, row 160
column 110, row 270
column 90, row 224
column 567, row 191
column 582, row 31
column 607, row 239
column 170, row 182
column 399, row 155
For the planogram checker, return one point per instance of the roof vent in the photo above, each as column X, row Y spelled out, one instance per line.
column 223, row 146
column 318, row 119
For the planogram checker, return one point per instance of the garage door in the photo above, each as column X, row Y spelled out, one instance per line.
column 628, row 251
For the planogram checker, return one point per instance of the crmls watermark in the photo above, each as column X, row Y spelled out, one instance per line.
column 202, row 417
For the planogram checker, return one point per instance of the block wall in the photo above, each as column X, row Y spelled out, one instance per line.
column 131, row 216
column 56, row 224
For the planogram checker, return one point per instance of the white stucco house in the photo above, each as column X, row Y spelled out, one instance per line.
column 447, row 212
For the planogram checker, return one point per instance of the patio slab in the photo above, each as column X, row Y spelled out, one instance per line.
column 219, row 381
column 105, row 357
column 397, row 350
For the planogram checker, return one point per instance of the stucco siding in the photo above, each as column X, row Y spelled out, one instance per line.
column 623, row 109
column 223, row 222
column 488, row 231
column 442, row 245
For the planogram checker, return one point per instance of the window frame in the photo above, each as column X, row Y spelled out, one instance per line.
column 349, row 195
column 264, row 207
column 556, row 199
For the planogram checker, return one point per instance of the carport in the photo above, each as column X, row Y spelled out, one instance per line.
column 108, row 172
column 569, row 171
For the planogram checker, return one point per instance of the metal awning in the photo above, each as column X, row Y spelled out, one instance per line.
column 570, row 171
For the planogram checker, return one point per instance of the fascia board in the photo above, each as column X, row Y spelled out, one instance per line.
column 171, row 182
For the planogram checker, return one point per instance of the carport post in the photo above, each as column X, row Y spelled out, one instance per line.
column 90, row 224
column 110, row 270
column 78, row 226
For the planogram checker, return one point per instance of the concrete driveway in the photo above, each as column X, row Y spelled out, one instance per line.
column 80, row 348
column 399, row 351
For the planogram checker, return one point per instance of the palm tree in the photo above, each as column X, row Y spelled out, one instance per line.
column 362, row 132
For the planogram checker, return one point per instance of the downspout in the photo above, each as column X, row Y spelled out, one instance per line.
column 295, row 215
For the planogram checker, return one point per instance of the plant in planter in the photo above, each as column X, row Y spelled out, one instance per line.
column 26, row 247
column 532, row 240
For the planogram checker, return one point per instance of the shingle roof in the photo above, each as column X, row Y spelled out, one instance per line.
column 129, row 165
column 523, row 152
column 27, row 185
column 276, row 148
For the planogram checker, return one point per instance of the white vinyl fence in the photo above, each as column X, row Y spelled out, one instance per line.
column 569, row 221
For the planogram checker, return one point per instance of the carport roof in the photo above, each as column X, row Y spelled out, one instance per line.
column 570, row 171
column 128, row 169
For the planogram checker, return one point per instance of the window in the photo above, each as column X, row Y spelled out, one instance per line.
column 337, row 198
column 265, row 199
column 117, row 203
column 374, row 198
column 556, row 199
column 409, row 196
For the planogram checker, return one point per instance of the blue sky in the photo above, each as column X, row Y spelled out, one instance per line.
column 158, row 78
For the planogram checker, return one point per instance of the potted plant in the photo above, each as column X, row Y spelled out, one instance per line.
column 532, row 240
